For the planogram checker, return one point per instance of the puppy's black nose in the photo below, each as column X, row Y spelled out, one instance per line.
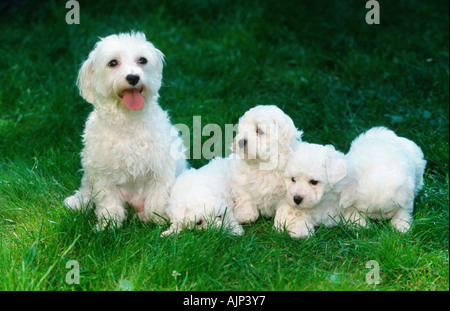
column 242, row 143
column 298, row 199
column 132, row 79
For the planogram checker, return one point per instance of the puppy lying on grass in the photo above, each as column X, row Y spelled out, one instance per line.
column 201, row 197
column 378, row 178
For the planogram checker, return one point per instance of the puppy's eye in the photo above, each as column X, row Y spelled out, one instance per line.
column 259, row 131
column 293, row 179
column 199, row 223
column 313, row 182
column 219, row 217
column 142, row 61
column 113, row 63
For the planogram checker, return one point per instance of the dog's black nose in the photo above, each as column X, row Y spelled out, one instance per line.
column 242, row 143
column 132, row 79
column 298, row 199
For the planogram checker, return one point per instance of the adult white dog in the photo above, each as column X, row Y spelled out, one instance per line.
column 385, row 174
column 202, row 197
column 312, row 179
column 266, row 137
column 128, row 154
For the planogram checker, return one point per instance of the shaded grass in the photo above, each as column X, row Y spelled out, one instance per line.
column 318, row 61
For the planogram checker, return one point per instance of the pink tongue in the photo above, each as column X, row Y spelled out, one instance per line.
column 133, row 100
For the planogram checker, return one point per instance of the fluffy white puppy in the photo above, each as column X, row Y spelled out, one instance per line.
column 266, row 137
column 385, row 174
column 128, row 154
column 312, row 180
column 202, row 197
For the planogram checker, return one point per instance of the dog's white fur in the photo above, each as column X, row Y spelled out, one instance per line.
column 385, row 174
column 127, row 153
column 266, row 137
column 378, row 178
column 202, row 197
column 312, row 178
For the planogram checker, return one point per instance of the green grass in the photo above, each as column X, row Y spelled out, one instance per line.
column 319, row 61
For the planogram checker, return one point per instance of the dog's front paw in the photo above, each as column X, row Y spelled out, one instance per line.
column 246, row 215
column 357, row 221
column 74, row 203
column 166, row 233
column 173, row 229
column 301, row 232
column 78, row 202
column 400, row 224
column 237, row 230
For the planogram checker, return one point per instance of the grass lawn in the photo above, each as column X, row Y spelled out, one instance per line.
column 319, row 61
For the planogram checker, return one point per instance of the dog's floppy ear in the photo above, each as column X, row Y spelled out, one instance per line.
column 84, row 79
column 288, row 133
column 335, row 165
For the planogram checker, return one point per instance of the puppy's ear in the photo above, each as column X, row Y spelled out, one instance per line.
column 288, row 133
column 84, row 80
column 335, row 165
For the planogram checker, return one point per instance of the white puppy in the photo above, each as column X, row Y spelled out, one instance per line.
column 312, row 180
column 202, row 197
column 127, row 139
column 265, row 138
column 385, row 174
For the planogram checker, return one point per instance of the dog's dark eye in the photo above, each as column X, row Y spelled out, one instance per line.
column 259, row 131
column 142, row 61
column 113, row 63
column 313, row 182
column 219, row 217
column 199, row 223
column 293, row 179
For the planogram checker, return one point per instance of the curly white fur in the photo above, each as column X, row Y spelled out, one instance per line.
column 127, row 138
column 265, row 139
column 202, row 197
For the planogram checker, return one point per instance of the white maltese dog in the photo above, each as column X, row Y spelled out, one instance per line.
column 202, row 197
column 384, row 176
column 378, row 178
column 266, row 137
column 128, row 155
column 312, row 179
